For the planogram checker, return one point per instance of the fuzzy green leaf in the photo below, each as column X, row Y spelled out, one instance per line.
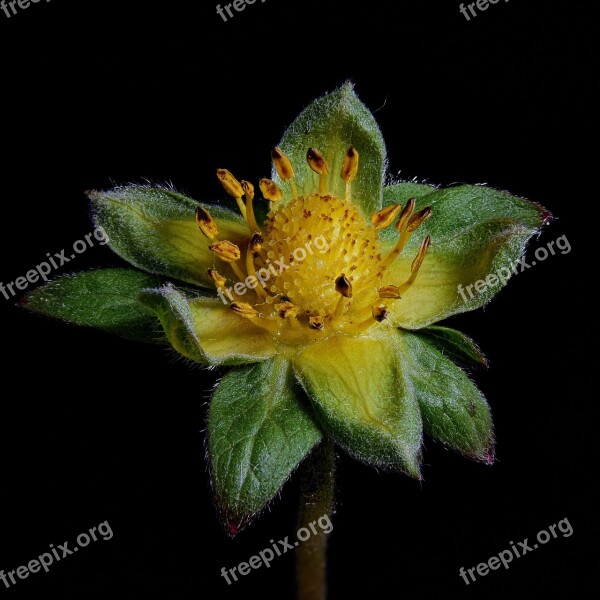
column 258, row 433
column 454, row 411
column 458, row 209
column 455, row 344
column 105, row 299
column 155, row 230
column 332, row 124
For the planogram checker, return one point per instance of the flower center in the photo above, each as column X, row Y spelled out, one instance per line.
column 317, row 266
column 316, row 240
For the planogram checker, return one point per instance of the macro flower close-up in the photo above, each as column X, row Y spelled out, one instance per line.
column 321, row 287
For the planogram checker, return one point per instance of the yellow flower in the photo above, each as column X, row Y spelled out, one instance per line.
column 321, row 295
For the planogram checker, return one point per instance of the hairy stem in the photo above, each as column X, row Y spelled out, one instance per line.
column 316, row 501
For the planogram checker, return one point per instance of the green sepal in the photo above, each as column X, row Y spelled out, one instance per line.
column 331, row 124
column 105, row 299
column 259, row 430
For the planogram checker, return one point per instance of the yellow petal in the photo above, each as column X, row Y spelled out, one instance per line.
column 226, row 337
column 440, row 289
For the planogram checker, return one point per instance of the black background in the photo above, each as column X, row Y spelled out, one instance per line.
column 94, row 428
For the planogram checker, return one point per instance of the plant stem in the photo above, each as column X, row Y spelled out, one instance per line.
column 316, row 501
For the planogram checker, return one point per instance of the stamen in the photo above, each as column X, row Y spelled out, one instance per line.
column 405, row 216
column 316, row 322
column 316, row 161
column 284, row 168
column 243, row 308
column 386, row 216
column 249, row 312
column 343, row 286
column 416, row 265
column 233, row 187
column 289, row 311
column 389, row 291
column 228, row 253
column 402, row 227
column 418, row 219
column 206, row 223
column 217, row 279
column 249, row 193
column 378, row 314
column 270, row 190
column 254, row 245
column 349, row 170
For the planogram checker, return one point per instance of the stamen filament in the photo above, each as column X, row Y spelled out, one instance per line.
column 378, row 314
column 236, row 269
column 294, row 189
column 349, row 171
column 233, row 187
column 254, row 246
column 340, row 307
column 405, row 234
column 242, row 207
column 250, row 218
column 316, row 161
column 416, row 265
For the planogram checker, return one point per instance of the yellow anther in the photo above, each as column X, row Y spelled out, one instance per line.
column 416, row 264
column 230, row 184
column 247, row 188
column 244, row 309
column 284, row 168
column 406, row 215
column 343, row 286
column 350, row 165
column 249, row 312
column 316, row 322
column 206, row 223
column 418, row 261
column 386, row 216
column 389, row 291
column 282, row 163
column 286, row 310
column 380, row 313
column 256, row 241
column 217, row 278
column 226, row 251
column 233, row 187
column 418, row 219
column 270, row 190
column 316, row 161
